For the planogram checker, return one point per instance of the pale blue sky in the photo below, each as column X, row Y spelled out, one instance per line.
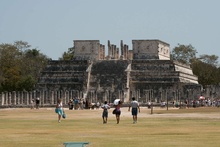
column 52, row 25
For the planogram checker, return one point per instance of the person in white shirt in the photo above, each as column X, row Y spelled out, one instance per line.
column 135, row 108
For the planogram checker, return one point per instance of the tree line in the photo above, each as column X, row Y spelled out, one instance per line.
column 20, row 65
column 204, row 66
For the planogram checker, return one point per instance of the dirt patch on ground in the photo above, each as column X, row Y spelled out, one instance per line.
column 97, row 113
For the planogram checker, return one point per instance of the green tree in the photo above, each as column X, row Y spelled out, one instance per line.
column 209, row 59
column 68, row 55
column 208, row 74
column 10, row 59
column 183, row 53
column 22, row 45
column 20, row 66
column 26, row 83
column 33, row 62
column 205, row 67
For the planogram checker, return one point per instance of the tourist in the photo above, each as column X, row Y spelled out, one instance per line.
column 117, row 111
column 59, row 109
column 97, row 105
column 70, row 103
column 81, row 104
column 149, row 105
column 105, row 108
column 32, row 104
column 37, row 103
column 76, row 103
column 162, row 104
column 134, row 111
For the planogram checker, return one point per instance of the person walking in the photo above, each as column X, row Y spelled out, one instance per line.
column 59, row 109
column 32, row 104
column 105, row 108
column 134, row 111
column 70, row 103
column 118, row 111
column 37, row 103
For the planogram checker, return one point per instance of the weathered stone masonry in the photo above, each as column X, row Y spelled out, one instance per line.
column 123, row 73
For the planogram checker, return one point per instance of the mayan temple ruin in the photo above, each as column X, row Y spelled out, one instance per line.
column 145, row 72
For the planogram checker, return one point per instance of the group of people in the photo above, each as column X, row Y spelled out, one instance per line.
column 37, row 103
column 76, row 104
column 134, row 107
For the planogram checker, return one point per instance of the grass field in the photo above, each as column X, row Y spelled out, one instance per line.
column 23, row 127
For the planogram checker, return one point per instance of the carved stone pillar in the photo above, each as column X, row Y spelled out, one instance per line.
column 14, row 97
column 30, row 97
column 27, row 97
column 71, row 94
column 3, row 98
column 47, row 98
column 55, row 96
column 63, row 96
column 52, row 97
column 67, row 95
column 18, row 97
column 41, row 98
column 34, row 95
column 22, row 97
column 9, row 98
column 6, row 98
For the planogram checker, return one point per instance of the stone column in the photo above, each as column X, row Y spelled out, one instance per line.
column 52, row 97
column 3, row 99
column 58, row 94
column 14, row 97
column 41, row 98
column 77, row 94
column 34, row 95
column 80, row 94
column 105, row 95
column 30, row 96
column 55, row 96
column 9, row 98
column 47, row 101
column 119, row 95
column 6, row 98
column 71, row 94
column 22, row 97
column 67, row 95
column 18, row 97
column 96, row 98
column 27, row 97
column 64, row 96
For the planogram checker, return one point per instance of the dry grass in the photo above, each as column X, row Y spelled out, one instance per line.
column 175, row 127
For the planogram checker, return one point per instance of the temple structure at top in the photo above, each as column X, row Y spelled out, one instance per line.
column 142, row 49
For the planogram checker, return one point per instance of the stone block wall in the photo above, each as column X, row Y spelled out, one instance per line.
column 108, row 74
column 87, row 49
column 64, row 75
column 150, row 49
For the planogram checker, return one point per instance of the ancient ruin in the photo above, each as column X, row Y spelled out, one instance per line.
column 145, row 72
column 96, row 74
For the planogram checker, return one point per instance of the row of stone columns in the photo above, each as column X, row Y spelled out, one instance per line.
column 16, row 98
column 24, row 98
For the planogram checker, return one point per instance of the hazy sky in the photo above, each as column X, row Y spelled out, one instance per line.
column 52, row 25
